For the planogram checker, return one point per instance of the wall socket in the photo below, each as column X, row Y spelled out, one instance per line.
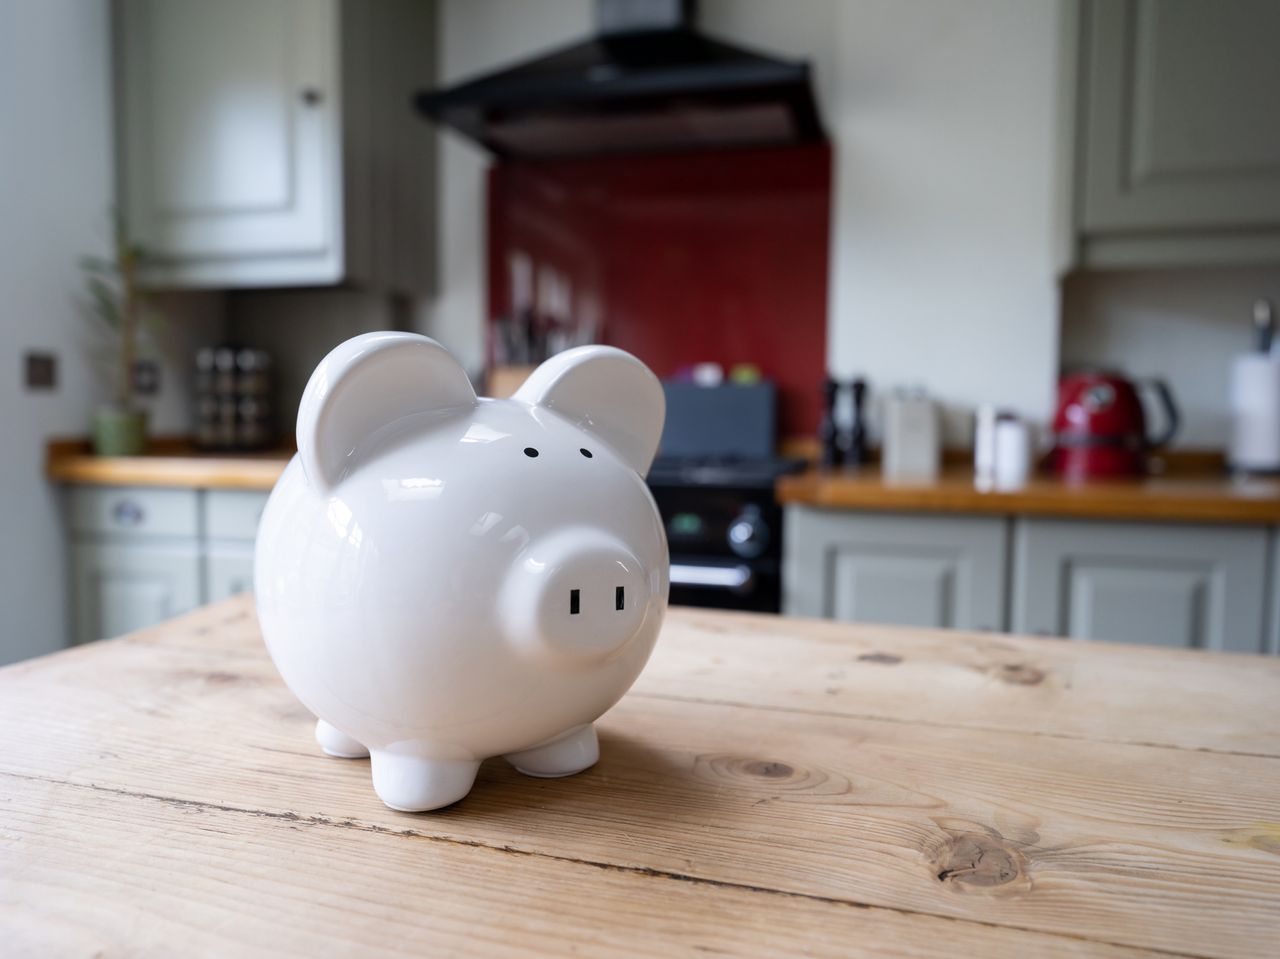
column 146, row 377
column 41, row 371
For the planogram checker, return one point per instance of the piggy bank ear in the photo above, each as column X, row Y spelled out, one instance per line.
column 368, row 382
column 608, row 393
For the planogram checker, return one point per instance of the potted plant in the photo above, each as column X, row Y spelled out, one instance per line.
column 119, row 309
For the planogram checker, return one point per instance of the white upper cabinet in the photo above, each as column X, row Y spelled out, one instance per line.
column 232, row 131
column 1180, row 148
column 248, row 132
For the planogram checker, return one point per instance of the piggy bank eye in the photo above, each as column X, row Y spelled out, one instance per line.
column 530, row 451
column 585, row 452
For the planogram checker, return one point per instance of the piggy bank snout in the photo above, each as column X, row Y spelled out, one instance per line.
column 580, row 594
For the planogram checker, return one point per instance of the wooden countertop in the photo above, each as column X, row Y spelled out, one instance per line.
column 1195, row 490
column 770, row 787
column 170, row 461
column 1184, row 495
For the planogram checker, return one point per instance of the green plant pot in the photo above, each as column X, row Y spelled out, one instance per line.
column 119, row 432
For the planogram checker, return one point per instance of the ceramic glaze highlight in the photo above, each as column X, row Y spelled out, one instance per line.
column 442, row 578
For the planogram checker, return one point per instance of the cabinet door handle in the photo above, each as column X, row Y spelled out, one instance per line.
column 128, row 513
column 311, row 97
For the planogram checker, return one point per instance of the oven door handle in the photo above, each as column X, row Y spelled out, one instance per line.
column 739, row 579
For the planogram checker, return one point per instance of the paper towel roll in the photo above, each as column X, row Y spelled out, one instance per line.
column 1013, row 454
column 1255, row 412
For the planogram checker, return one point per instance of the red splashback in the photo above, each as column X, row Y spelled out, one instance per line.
column 719, row 256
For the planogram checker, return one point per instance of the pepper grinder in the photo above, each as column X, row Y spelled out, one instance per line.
column 828, row 432
column 853, row 441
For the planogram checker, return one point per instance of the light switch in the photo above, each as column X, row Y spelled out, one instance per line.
column 41, row 371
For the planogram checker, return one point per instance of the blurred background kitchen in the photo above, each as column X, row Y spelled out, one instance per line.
column 964, row 308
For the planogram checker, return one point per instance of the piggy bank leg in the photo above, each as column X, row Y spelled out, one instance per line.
column 337, row 743
column 413, row 784
column 565, row 755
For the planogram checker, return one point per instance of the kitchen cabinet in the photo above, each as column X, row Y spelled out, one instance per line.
column 272, row 142
column 123, row 586
column 135, row 558
column 937, row 571
column 142, row 555
column 1273, row 597
column 1199, row 587
column 231, row 522
column 1189, row 585
column 228, row 571
column 1180, row 152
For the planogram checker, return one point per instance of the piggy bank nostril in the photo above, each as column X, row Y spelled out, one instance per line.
column 575, row 600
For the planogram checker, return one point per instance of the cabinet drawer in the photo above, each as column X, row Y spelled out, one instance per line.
column 135, row 511
column 233, row 514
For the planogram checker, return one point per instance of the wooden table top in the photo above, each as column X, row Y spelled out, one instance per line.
column 1189, row 497
column 770, row 787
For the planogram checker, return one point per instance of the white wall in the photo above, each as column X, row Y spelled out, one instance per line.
column 56, row 173
column 476, row 36
column 1183, row 325
column 55, row 200
column 947, row 220
column 946, row 229
column 944, row 259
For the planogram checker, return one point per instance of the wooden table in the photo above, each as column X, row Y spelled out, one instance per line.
column 770, row 787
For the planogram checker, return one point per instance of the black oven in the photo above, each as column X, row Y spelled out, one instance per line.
column 725, row 540
column 713, row 483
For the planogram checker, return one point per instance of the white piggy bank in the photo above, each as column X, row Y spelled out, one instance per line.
column 442, row 578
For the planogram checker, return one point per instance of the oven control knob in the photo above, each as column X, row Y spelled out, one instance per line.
column 748, row 533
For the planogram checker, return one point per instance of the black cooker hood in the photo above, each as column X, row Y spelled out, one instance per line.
column 647, row 83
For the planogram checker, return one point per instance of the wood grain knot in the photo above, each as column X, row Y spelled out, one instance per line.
column 1019, row 674
column 1263, row 836
column 768, row 769
column 215, row 677
column 771, row 776
column 884, row 659
column 980, row 862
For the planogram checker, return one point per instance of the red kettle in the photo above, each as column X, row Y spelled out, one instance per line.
column 1100, row 429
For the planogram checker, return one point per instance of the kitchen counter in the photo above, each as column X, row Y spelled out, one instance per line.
column 168, row 462
column 770, row 787
column 1193, row 491
column 1190, row 495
